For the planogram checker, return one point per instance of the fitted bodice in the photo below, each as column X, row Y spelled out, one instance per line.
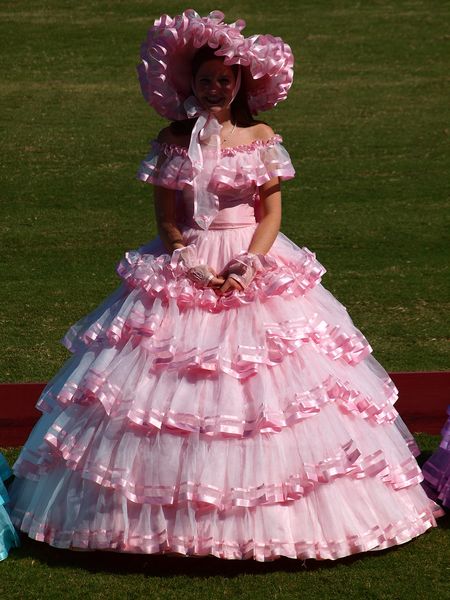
column 236, row 207
column 239, row 173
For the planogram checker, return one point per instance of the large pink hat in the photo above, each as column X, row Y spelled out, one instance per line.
column 165, row 69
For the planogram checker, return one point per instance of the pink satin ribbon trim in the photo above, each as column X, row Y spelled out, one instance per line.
column 303, row 406
column 281, row 341
column 347, row 462
column 238, row 166
column 267, row 550
column 221, row 225
column 170, row 150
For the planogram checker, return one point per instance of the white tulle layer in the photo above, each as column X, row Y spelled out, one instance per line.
column 219, row 404
column 270, row 322
column 341, row 518
column 169, row 468
column 255, row 428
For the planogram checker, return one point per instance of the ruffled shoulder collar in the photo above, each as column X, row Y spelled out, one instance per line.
column 169, row 166
column 173, row 149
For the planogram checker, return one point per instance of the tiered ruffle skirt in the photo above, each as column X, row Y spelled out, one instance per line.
column 254, row 425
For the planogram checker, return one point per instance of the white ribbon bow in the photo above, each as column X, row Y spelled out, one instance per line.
column 204, row 154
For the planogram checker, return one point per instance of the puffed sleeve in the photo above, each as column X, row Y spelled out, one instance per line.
column 166, row 165
column 274, row 161
column 259, row 161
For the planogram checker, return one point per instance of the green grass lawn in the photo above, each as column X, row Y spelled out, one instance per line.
column 367, row 126
column 366, row 123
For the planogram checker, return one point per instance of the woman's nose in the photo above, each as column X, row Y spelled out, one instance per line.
column 214, row 86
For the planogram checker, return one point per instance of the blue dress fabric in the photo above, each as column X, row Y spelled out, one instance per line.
column 8, row 536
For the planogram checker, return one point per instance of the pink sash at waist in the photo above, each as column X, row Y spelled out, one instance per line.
column 234, row 212
column 228, row 225
column 222, row 224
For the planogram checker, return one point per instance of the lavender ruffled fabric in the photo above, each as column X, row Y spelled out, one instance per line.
column 437, row 469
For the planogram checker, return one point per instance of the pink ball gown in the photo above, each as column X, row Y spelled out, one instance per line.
column 252, row 425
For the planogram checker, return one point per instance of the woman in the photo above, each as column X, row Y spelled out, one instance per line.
column 221, row 401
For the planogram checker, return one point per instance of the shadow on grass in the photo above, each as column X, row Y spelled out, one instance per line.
column 170, row 566
column 423, row 457
column 444, row 522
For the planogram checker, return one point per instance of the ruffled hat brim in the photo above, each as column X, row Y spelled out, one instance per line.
column 166, row 55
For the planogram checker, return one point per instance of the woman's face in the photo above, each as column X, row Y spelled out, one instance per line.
column 214, row 85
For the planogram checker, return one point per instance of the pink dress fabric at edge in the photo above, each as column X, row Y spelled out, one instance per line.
column 255, row 425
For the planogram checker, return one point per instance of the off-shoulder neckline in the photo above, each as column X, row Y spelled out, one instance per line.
column 231, row 151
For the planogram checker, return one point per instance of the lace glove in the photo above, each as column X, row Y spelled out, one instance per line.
column 201, row 275
column 244, row 267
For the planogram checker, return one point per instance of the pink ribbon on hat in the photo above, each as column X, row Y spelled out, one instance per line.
column 204, row 154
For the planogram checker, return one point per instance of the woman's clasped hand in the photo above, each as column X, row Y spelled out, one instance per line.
column 236, row 276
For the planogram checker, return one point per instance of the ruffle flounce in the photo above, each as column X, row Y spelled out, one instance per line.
column 169, row 166
column 343, row 517
column 169, row 467
column 241, row 430
column 142, row 361
column 160, row 278
column 164, row 71
column 220, row 405
column 8, row 536
column 113, row 482
column 236, row 333
column 436, row 470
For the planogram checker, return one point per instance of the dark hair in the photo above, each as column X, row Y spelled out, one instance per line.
column 240, row 111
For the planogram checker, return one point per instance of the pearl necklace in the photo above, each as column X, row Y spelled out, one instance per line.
column 225, row 139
